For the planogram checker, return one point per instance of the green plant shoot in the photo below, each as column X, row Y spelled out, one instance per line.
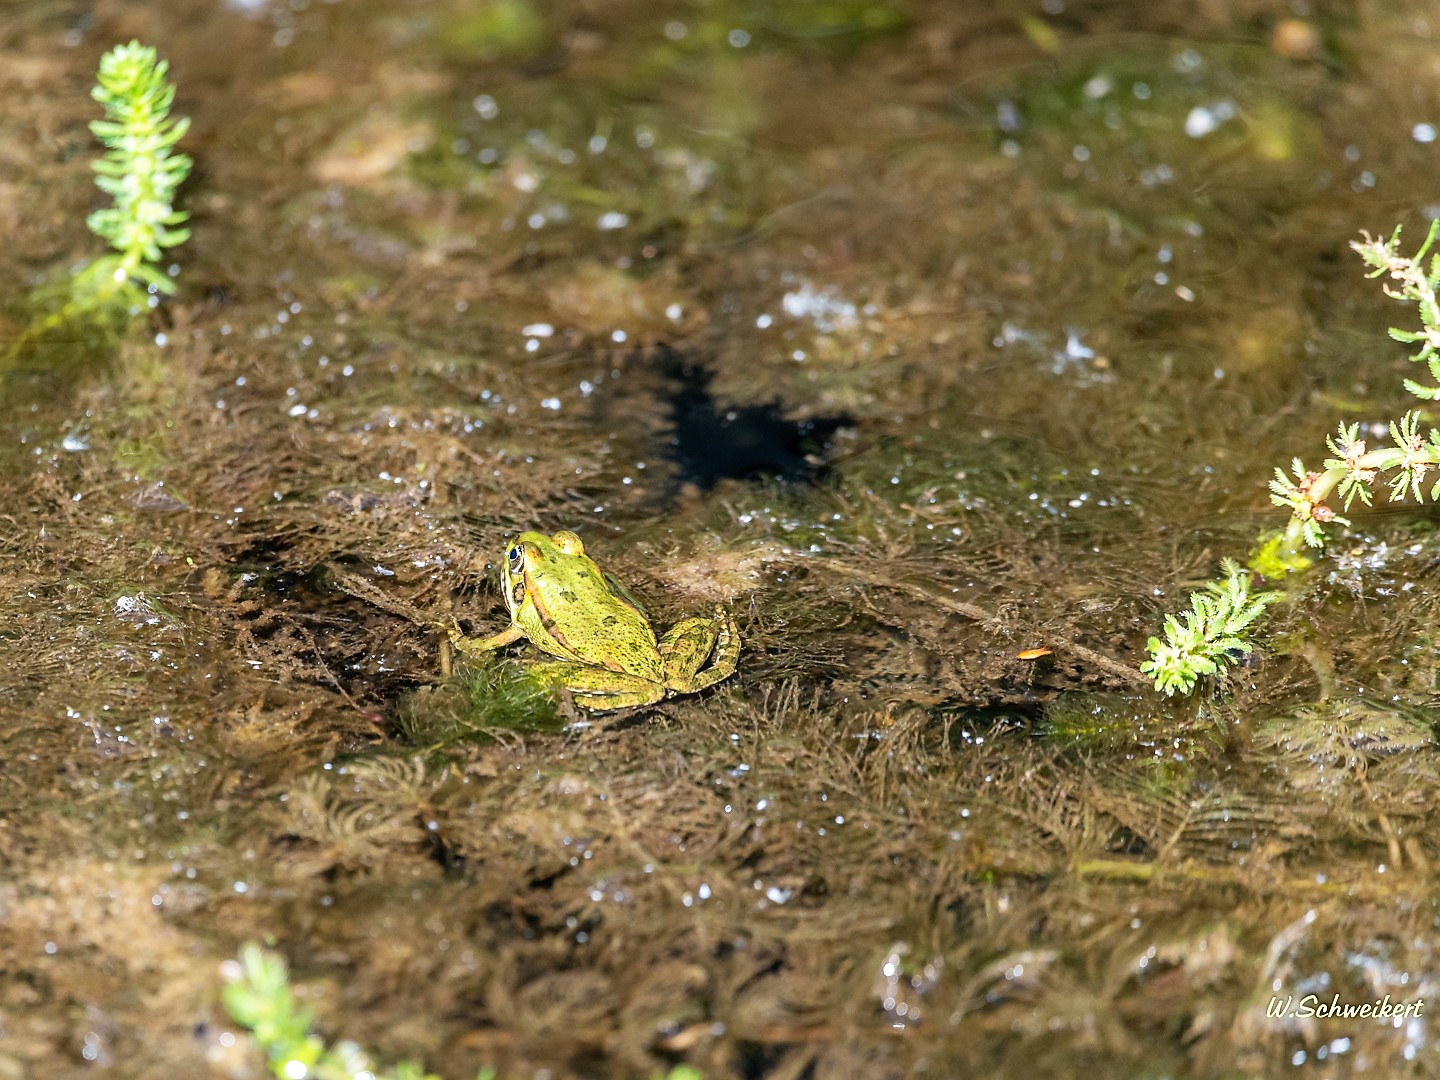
column 141, row 172
column 257, row 993
column 1206, row 639
column 1210, row 631
column 1405, row 465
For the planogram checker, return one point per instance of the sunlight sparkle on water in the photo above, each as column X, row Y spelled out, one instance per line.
column 824, row 308
column 1205, row 119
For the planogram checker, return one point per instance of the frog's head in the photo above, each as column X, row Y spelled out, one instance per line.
column 532, row 561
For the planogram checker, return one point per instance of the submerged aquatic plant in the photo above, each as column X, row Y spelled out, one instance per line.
column 1346, row 731
column 490, row 696
column 141, row 171
column 1353, row 471
column 258, row 995
column 1206, row 639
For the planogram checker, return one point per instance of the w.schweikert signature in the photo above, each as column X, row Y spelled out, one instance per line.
column 1287, row 1006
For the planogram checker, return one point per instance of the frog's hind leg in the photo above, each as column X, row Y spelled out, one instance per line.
column 690, row 643
column 595, row 688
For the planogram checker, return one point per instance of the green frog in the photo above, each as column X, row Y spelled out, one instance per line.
column 609, row 657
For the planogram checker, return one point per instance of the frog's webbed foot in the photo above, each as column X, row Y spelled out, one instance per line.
column 691, row 642
column 595, row 688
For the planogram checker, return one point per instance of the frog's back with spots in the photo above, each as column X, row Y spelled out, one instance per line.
column 600, row 625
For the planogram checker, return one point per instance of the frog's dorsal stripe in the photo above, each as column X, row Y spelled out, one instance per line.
column 550, row 628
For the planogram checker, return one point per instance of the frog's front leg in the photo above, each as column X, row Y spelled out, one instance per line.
column 690, row 643
column 595, row 688
column 470, row 645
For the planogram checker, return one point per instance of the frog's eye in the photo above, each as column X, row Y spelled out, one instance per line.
column 516, row 557
column 569, row 543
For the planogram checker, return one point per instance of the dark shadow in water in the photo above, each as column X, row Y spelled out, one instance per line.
column 712, row 443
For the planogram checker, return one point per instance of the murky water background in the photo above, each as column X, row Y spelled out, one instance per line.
column 857, row 315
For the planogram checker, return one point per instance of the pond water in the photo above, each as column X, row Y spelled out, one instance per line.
column 921, row 336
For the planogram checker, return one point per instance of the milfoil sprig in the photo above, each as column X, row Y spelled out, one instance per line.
column 1201, row 640
column 1416, row 284
column 1354, row 470
column 258, row 995
column 1208, row 637
column 141, row 171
